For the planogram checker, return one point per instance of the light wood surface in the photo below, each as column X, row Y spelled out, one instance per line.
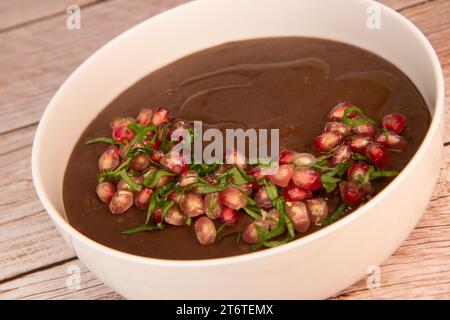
column 37, row 53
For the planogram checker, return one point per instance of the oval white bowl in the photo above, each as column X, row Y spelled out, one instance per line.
column 316, row 266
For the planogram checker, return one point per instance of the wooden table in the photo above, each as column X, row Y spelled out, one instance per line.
column 38, row 52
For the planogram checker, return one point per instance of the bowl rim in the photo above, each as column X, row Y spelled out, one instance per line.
column 64, row 225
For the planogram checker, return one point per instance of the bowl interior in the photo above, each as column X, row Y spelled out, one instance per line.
column 202, row 24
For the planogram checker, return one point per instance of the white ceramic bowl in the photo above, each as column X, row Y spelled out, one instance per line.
column 316, row 266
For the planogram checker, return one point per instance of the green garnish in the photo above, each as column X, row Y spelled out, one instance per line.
column 101, row 139
column 129, row 181
column 380, row 174
column 335, row 215
column 153, row 178
column 141, row 228
column 253, row 211
column 331, row 178
column 354, row 122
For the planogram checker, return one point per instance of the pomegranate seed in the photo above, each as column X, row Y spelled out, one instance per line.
column 187, row 178
column 306, row 178
column 120, row 122
column 174, row 163
column 365, row 130
column 121, row 202
column 294, row 193
column 228, row 215
column 283, row 175
column 286, row 156
column 157, row 155
column 236, row 158
column 357, row 171
column 123, row 134
column 394, row 122
column 359, row 144
column 272, row 217
column 250, row 234
column 377, row 154
column 341, row 154
column 140, row 162
column 105, row 191
column 303, row 159
column 341, row 128
column 163, row 181
column 233, row 198
column 145, row 117
column 327, row 141
column 157, row 215
column 352, row 192
column 394, row 141
column 142, row 198
column 205, row 230
column 122, row 185
column 296, row 210
column 212, row 205
column 160, row 116
column 262, row 199
column 109, row 160
column 175, row 216
column 192, row 204
column 246, row 188
column 257, row 174
column 317, row 209
column 175, row 197
column 337, row 113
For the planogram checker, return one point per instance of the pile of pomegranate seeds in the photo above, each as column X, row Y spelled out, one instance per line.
column 138, row 169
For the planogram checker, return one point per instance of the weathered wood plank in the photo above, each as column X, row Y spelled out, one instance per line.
column 401, row 4
column 59, row 282
column 19, row 12
column 36, row 60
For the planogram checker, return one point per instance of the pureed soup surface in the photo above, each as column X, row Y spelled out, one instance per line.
column 286, row 83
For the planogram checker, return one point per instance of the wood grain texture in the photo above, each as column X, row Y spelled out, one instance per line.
column 20, row 12
column 31, row 73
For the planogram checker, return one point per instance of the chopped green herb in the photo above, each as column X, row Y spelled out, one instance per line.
column 153, row 178
column 380, row 174
column 141, row 228
column 129, row 181
column 335, row 215
column 101, row 139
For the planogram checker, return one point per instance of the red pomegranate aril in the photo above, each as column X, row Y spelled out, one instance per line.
column 145, row 117
column 105, row 191
column 140, row 162
column 120, row 122
column 123, row 134
column 205, row 231
column 212, row 205
column 306, row 178
column 157, row 215
column 187, row 178
column 394, row 141
column 192, row 204
column 272, row 217
column 175, row 197
column 174, row 163
column 246, row 188
column 283, row 175
column 121, row 202
column 341, row 154
column 163, row 181
column 142, row 198
column 160, row 116
column 327, row 141
column 262, row 199
column 109, row 160
column 294, row 193
column 233, row 198
column 342, row 128
column 236, row 158
column 297, row 212
column 228, row 215
column 337, row 113
column 317, row 209
column 157, row 155
column 250, row 234
column 303, row 159
column 394, row 122
column 352, row 192
column 377, row 154
column 359, row 144
column 365, row 130
column 286, row 156
column 357, row 171
column 175, row 216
